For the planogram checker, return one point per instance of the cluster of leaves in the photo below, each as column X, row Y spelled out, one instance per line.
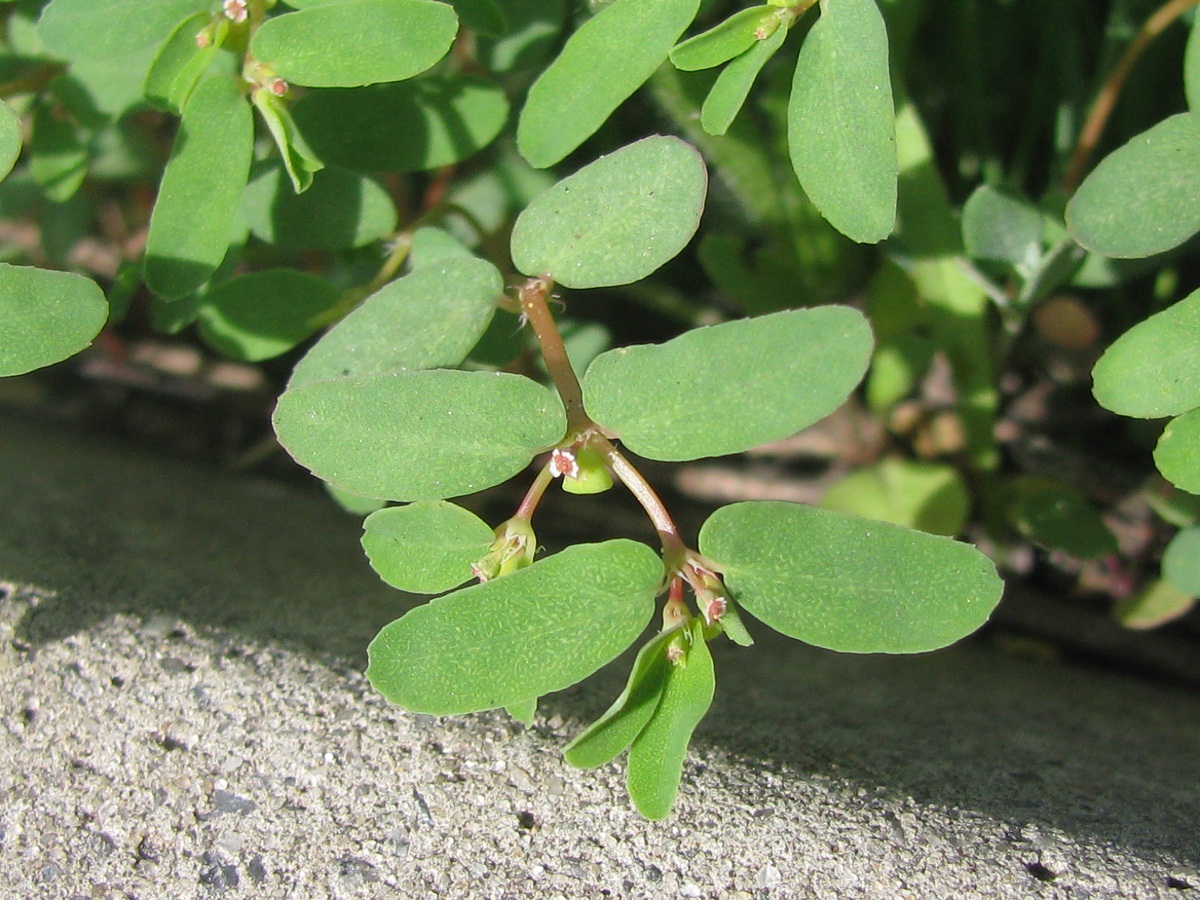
column 292, row 166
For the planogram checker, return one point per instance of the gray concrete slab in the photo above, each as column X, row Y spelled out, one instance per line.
column 182, row 714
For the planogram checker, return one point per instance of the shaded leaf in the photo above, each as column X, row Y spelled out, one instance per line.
column 1061, row 519
column 428, row 319
column 923, row 495
column 297, row 157
column 727, row 388
column 484, row 17
column 616, row 220
column 729, row 92
column 1144, row 197
column 180, row 63
column 625, row 42
column 45, row 317
column 849, row 584
column 85, row 29
column 538, row 630
column 10, row 139
column 58, row 154
column 1154, row 605
column 1191, row 68
column 533, row 26
column 384, row 40
column 426, row 547
column 841, row 124
column 721, row 43
column 525, row 711
column 1178, row 452
column 657, row 754
column 1151, row 370
column 197, row 203
column 1181, row 561
column 352, row 503
column 424, row 435
column 998, row 225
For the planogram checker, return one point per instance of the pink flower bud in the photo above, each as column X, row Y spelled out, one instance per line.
column 279, row 87
column 235, row 10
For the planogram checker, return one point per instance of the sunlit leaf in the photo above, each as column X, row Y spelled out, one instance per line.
column 87, row 29
column 45, row 317
column 1156, row 604
column 433, row 245
column 426, row 547
column 180, row 63
column 727, row 388
column 729, row 92
column 299, row 160
column 628, row 213
column 923, row 495
column 1191, row 68
column 1178, row 452
column 722, row 42
column 10, row 139
column 849, row 584
column 523, row 635
column 356, row 42
column 425, row 435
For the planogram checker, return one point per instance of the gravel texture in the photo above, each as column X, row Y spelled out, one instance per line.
column 182, row 714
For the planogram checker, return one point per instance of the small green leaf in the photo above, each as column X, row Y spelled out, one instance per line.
column 610, row 735
column 923, row 495
column 727, row 388
column 298, row 159
column 356, row 42
column 729, row 92
column 602, row 64
column 1191, row 68
column 428, row 319
column 1178, row 452
column 1000, row 226
column 849, row 584
column 58, row 154
column 406, row 127
column 841, row 124
column 1144, row 197
column 181, row 63
column 1151, row 370
column 524, row 711
column 1154, row 605
column 616, row 220
column 484, row 17
column 426, row 547
column 1181, row 561
column 10, row 139
column 197, row 204
column 1061, row 519
column 538, row 630
column 264, row 314
column 86, row 29
column 721, row 43
column 45, row 317
column 657, row 754
column 339, row 210
column 424, row 435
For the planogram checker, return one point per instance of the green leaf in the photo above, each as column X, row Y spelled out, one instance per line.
column 656, row 757
column 180, row 63
column 424, row 435
column 85, row 29
column 339, row 210
column 841, row 124
column 352, row 503
column 729, row 92
column 538, row 630
column 1151, row 370
column 1178, row 452
column 1001, row 226
column 58, row 154
column 1061, row 519
column 356, row 42
column 1144, row 197
column 298, row 159
column 45, row 317
column 406, row 127
column 524, row 711
column 616, row 220
column 264, row 314
column 923, row 495
column 425, row 547
column 721, row 43
column 482, row 16
column 849, row 584
column 10, row 139
column 197, row 202
column 602, row 64
column 727, row 388
column 1181, row 561
column 428, row 319
column 433, row 245
column 533, row 26
column 610, row 735
column 1156, row 604
column 1191, row 68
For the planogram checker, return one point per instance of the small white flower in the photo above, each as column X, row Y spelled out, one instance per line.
column 715, row 609
column 563, row 462
column 235, row 10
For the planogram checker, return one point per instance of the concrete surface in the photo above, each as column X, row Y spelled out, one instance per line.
column 182, row 715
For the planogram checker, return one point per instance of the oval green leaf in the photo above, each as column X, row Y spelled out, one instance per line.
column 179, row 64
column 600, row 67
column 533, row 26
column 729, row 387
column 1181, row 561
column 1156, row 604
column 45, row 317
column 482, row 16
column 616, row 220
column 1001, row 226
column 722, row 42
column 356, row 42
column 923, row 495
column 261, row 315
column 1151, row 370
column 729, row 92
column 849, row 584
column 1191, row 68
column 1061, row 519
column 85, row 29
column 841, row 122
column 423, row 435
column 58, row 155
column 428, row 319
column 1178, row 452
column 339, row 210
column 657, row 754
column 425, row 547
column 406, row 127
column 197, row 203
column 538, row 630
column 610, row 735
column 1144, row 197
column 10, row 139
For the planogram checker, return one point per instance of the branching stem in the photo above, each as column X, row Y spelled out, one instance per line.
column 533, row 295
